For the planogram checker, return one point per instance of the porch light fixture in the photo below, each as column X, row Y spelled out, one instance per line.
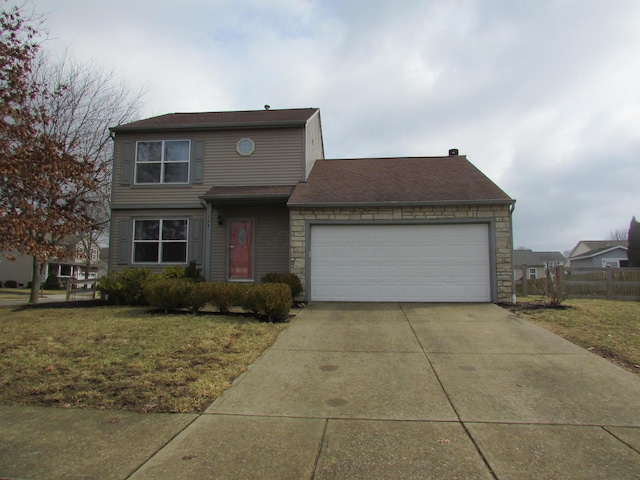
column 220, row 220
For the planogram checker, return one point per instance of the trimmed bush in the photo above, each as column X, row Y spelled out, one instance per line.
column 191, row 272
column 10, row 284
column 272, row 300
column 198, row 295
column 290, row 279
column 172, row 271
column 227, row 295
column 126, row 287
column 167, row 293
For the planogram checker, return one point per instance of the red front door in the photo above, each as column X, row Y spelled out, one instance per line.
column 241, row 250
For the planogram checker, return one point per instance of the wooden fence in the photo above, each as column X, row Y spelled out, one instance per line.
column 75, row 287
column 609, row 283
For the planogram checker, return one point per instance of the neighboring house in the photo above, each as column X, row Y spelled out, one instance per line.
column 247, row 193
column 20, row 270
column 535, row 263
column 599, row 254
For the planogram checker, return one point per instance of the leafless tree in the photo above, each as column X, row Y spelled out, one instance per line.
column 620, row 234
column 87, row 101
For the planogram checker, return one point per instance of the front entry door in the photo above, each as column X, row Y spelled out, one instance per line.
column 241, row 250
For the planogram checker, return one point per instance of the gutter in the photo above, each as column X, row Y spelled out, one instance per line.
column 404, row 204
column 207, row 126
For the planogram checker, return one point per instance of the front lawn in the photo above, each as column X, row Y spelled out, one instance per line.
column 124, row 358
column 606, row 327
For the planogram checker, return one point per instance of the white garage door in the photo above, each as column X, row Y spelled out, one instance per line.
column 422, row 263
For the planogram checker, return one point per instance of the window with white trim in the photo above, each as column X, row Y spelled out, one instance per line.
column 160, row 241
column 610, row 263
column 162, row 161
column 533, row 273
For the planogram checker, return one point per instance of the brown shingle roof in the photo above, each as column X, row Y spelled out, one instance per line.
column 414, row 180
column 221, row 120
column 248, row 193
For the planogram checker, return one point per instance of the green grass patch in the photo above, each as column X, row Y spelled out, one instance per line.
column 124, row 358
column 606, row 327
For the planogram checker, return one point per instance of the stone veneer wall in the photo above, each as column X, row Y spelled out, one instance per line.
column 499, row 213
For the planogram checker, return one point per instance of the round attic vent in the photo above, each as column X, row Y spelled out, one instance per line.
column 245, row 147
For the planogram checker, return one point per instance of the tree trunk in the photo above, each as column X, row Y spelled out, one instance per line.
column 35, row 281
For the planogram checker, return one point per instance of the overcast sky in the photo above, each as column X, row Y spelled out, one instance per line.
column 542, row 95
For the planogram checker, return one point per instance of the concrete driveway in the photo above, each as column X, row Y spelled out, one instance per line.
column 415, row 391
column 368, row 391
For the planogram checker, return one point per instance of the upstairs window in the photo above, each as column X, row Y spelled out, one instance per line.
column 160, row 241
column 162, row 161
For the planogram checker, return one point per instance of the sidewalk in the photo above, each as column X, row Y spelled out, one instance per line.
column 367, row 391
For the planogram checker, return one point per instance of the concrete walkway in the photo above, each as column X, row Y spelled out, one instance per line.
column 367, row 391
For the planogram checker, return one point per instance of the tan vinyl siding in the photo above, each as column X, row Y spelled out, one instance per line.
column 277, row 160
column 118, row 216
column 314, row 148
column 271, row 236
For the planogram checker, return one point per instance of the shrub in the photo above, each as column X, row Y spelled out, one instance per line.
column 52, row 282
column 227, row 295
column 550, row 289
column 0, row 284
column 198, row 294
column 167, row 293
column 126, row 287
column 193, row 273
column 172, row 271
column 290, row 279
column 10, row 284
column 273, row 300
column 190, row 272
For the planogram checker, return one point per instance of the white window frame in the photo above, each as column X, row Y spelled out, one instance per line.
column 162, row 162
column 535, row 273
column 159, row 241
column 610, row 263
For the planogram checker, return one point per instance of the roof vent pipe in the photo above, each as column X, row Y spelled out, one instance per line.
column 453, row 152
column 267, row 107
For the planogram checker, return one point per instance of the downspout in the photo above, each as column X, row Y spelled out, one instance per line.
column 512, row 207
column 112, row 136
column 206, row 268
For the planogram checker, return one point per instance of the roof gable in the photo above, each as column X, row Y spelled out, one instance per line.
column 526, row 257
column 600, row 251
column 406, row 180
column 222, row 120
column 588, row 247
column 529, row 257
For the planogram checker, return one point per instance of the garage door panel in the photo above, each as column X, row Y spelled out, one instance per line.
column 400, row 262
column 410, row 271
column 368, row 252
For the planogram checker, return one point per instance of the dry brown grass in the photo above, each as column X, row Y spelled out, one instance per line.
column 606, row 327
column 124, row 358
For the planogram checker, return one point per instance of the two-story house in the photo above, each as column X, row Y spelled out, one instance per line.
column 72, row 267
column 247, row 193
column 220, row 180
